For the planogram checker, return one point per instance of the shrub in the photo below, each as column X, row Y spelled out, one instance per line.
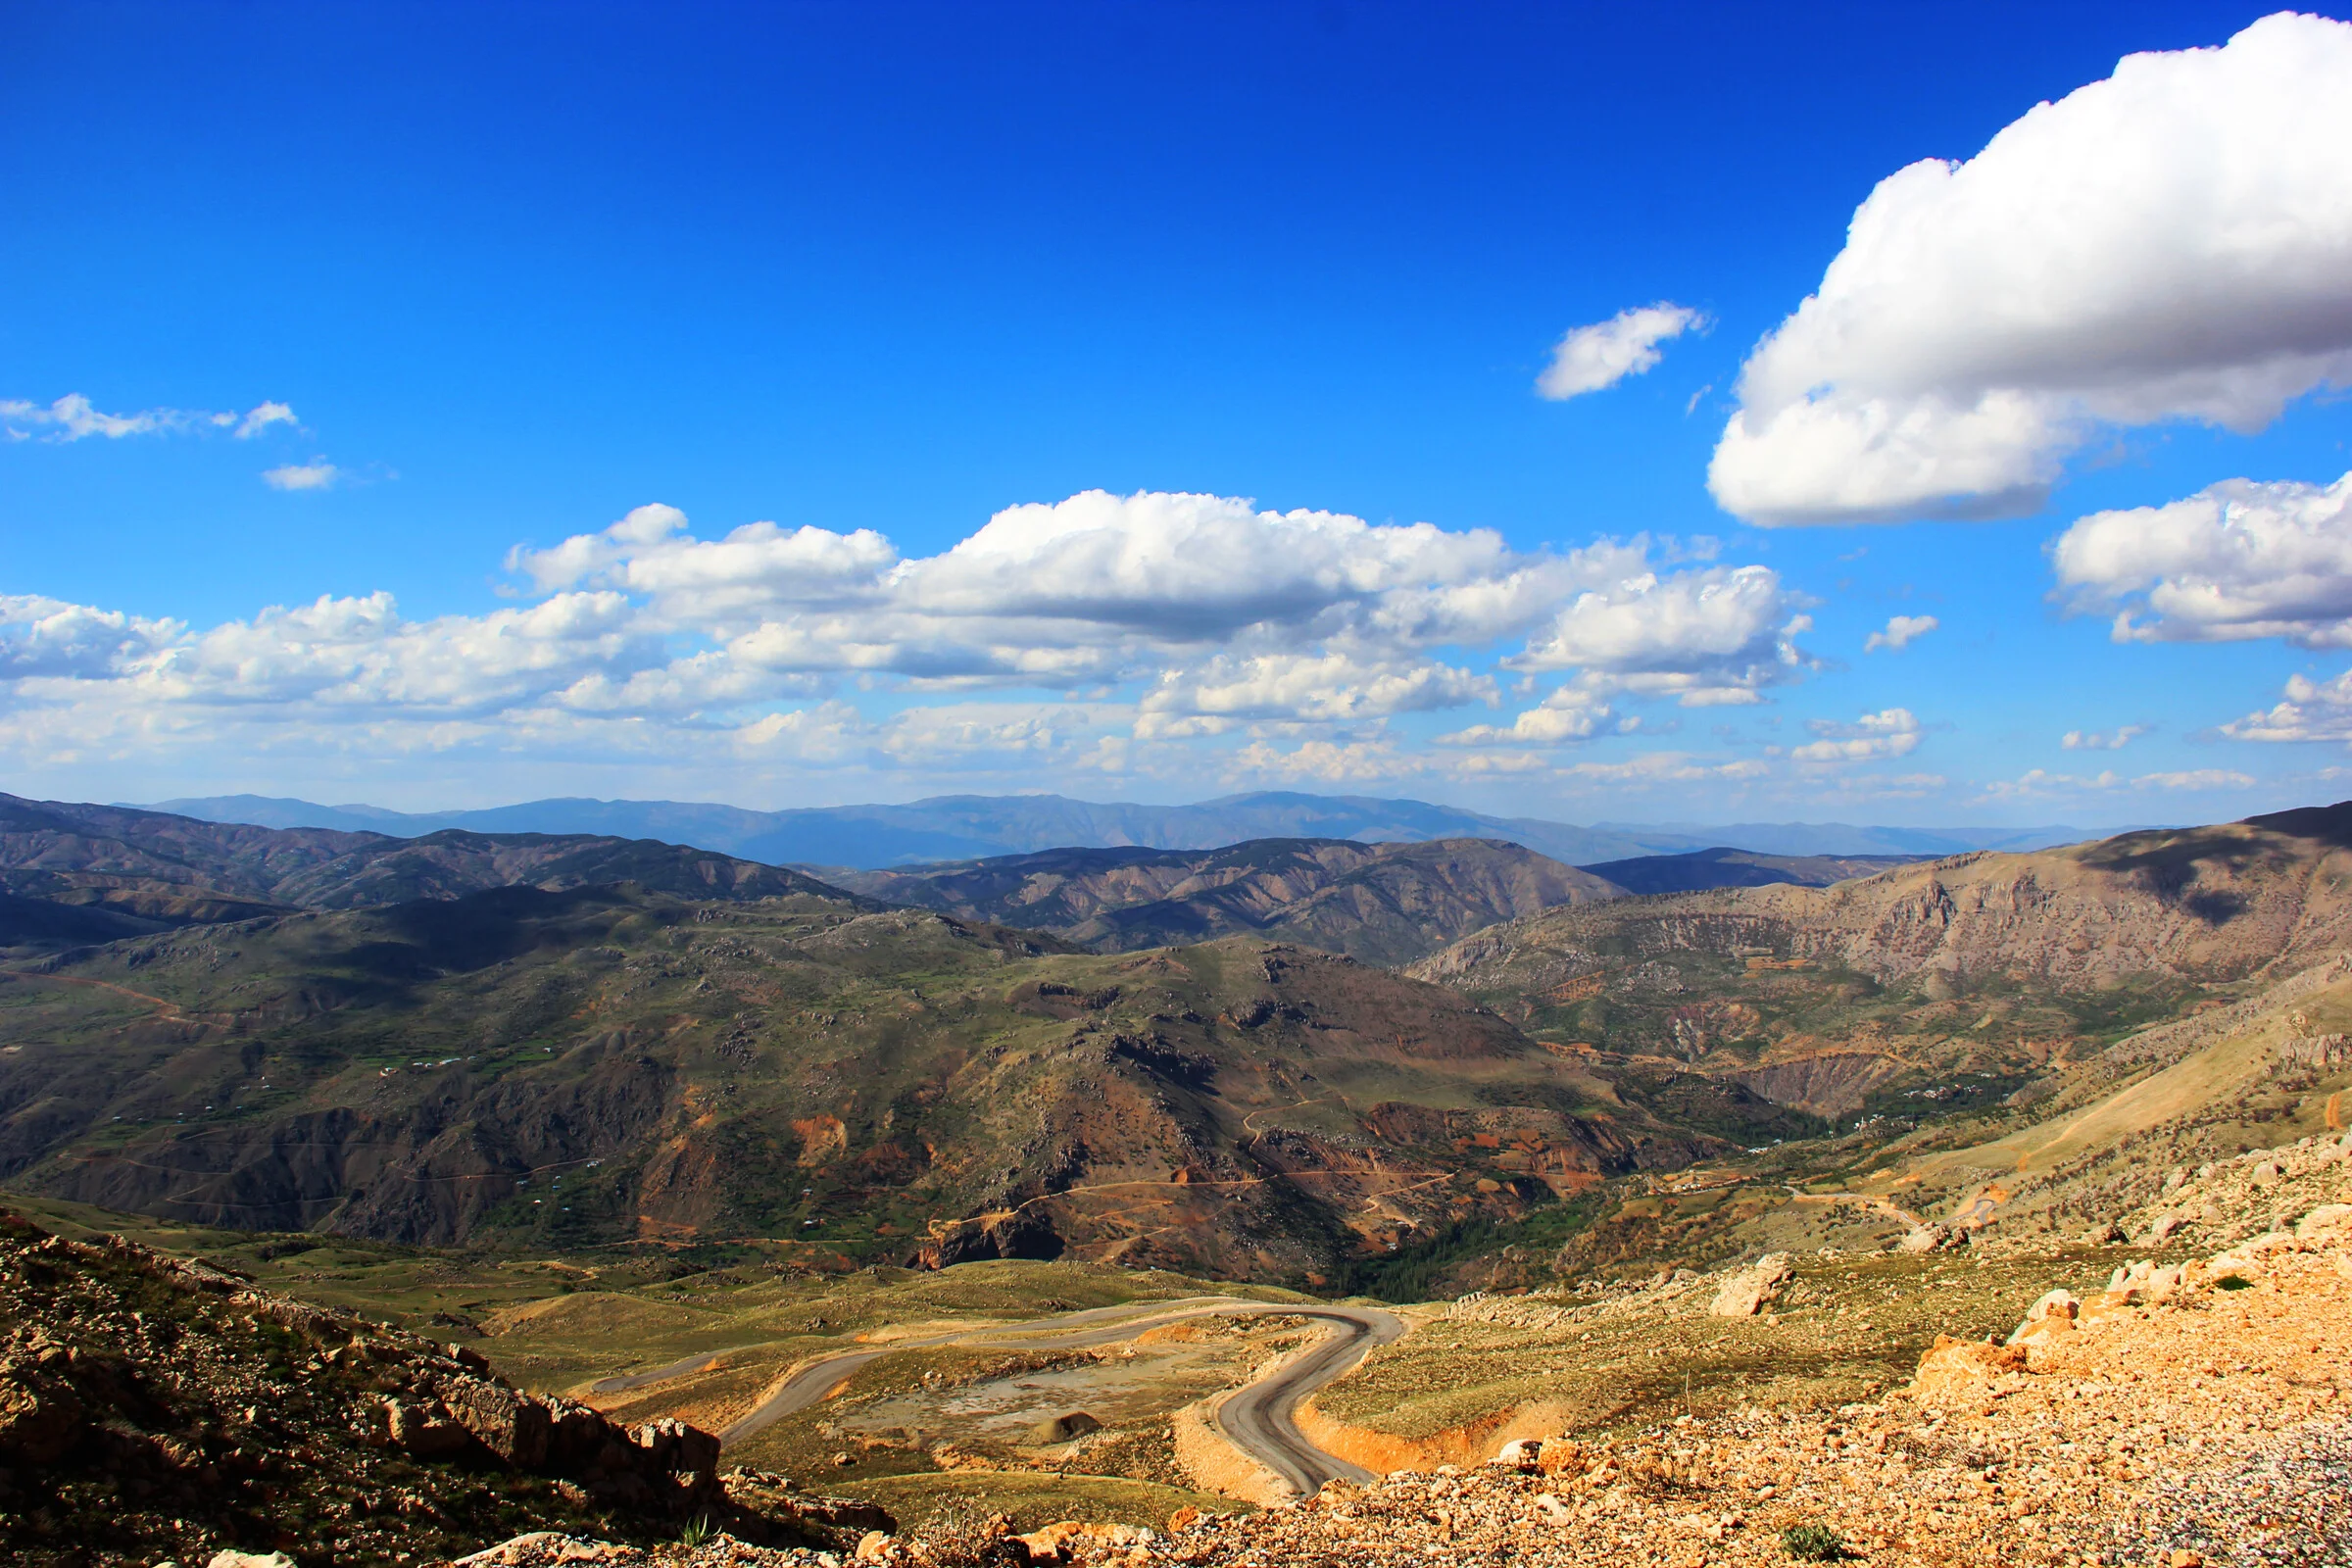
column 1814, row 1544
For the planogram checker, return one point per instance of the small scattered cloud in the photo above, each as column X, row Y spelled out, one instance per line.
column 1900, row 634
column 2083, row 740
column 2202, row 778
column 2313, row 711
column 261, row 416
column 2040, row 784
column 1593, row 359
column 75, row 418
column 1888, row 732
column 1571, row 713
column 1709, row 638
column 2174, row 242
column 319, row 474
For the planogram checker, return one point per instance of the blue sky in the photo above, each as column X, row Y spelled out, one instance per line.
column 516, row 272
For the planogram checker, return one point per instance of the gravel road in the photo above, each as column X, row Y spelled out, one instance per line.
column 1256, row 1418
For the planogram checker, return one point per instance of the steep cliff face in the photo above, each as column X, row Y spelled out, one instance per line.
column 2205, row 903
column 604, row 1065
column 1378, row 903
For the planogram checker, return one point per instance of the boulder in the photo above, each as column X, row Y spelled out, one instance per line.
column 1931, row 1238
column 1745, row 1293
column 1071, row 1539
column 2322, row 1220
column 424, row 1431
column 514, row 1426
column 2054, row 1313
column 1955, row 1371
column 1063, row 1428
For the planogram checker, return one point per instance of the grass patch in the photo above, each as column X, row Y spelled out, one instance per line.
column 1031, row 1500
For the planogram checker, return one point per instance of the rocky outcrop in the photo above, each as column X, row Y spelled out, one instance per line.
column 1831, row 1084
column 158, row 1408
column 1749, row 1291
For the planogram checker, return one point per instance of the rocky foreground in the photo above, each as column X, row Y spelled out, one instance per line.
column 154, row 1410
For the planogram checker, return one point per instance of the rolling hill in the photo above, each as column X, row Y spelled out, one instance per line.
column 73, row 873
column 1701, row 869
column 609, row 1064
column 1380, row 904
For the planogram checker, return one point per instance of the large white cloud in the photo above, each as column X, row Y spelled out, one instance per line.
column 2174, row 242
column 1591, row 359
column 1233, row 611
column 2234, row 561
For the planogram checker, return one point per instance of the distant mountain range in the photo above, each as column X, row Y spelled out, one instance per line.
column 962, row 827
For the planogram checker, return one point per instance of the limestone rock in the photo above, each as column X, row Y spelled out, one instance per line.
column 1745, row 1293
column 1957, row 1370
column 2324, row 1219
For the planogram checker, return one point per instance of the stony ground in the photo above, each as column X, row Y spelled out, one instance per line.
column 2196, row 1415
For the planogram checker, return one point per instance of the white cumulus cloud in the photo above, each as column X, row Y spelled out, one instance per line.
column 1592, row 358
column 2172, row 242
column 2201, row 778
column 1573, row 713
column 2237, row 560
column 1712, row 636
column 1170, row 628
column 1900, row 634
column 2311, row 710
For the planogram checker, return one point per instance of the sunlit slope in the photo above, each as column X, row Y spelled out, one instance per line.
column 1973, row 981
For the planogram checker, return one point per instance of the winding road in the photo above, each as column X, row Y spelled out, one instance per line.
column 1256, row 1417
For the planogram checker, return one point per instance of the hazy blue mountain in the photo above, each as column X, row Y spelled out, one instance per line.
column 966, row 827
column 1843, row 838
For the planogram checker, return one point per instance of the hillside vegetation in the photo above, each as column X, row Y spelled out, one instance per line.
column 612, row 1064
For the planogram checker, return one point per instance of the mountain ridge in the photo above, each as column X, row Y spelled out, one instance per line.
column 1380, row 902
column 961, row 827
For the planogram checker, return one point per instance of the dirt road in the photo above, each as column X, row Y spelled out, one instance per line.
column 1256, row 1418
